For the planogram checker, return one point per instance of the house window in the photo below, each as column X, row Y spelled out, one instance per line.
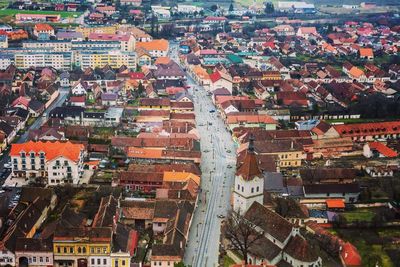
column 252, row 190
column 32, row 154
column 47, row 259
column 41, row 259
column 242, row 188
column 58, row 250
column 71, row 250
column 238, row 186
column 258, row 188
column 34, row 259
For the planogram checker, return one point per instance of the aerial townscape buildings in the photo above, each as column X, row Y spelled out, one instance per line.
column 140, row 133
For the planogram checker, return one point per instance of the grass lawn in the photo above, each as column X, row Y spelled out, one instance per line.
column 365, row 215
column 228, row 261
column 259, row 3
column 12, row 12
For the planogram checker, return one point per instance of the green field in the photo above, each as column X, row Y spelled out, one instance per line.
column 12, row 12
column 364, row 215
column 258, row 3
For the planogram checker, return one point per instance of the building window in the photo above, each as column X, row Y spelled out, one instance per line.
column 92, row 260
column 98, row 262
column 104, row 261
column 252, row 190
column 238, row 186
column 41, row 259
column 47, row 259
column 116, row 263
column 71, row 250
column 258, row 188
column 123, row 263
column 34, row 259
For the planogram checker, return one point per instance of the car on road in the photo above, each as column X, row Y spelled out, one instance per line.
column 229, row 166
column 206, row 151
column 212, row 110
column 210, row 123
column 221, row 216
column 7, row 165
column 228, row 151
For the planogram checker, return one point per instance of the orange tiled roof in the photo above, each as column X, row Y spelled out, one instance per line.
column 43, row 27
column 180, row 177
column 356, row 72
column 135, row 152
column 160, row 44
column 335, row 203
column 52, row 150
column 251, row 119
column 366, row 52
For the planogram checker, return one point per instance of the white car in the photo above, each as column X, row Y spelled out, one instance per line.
column 7, row 165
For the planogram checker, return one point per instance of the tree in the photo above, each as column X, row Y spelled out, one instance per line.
column 269, row 8
column 140, row 89
column 242, row 233
column 180, row 264
column 214, row 8
column 231, row 7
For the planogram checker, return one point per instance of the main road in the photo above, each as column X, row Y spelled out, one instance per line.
column 218, row 167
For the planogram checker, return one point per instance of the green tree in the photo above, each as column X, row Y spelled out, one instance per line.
column 231, row 7
column 214, row 8
column 269, row 8
column 140, row 89
column 180, row 264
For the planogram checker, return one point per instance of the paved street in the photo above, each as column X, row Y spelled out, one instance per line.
column 217, row 179
column 39, row 121
column 42, row 119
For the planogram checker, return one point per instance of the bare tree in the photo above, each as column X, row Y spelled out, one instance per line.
column 241, row 231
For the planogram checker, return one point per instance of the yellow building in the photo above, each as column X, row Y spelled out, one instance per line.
column 115, row 59
column 82, row 246
column 97, row 29
column 289, row 153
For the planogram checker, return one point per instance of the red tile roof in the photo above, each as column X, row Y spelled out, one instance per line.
column 215, row 76
column 350, row 255
column 368, row 129
column 52, row 150
column 383, row 149
column 335, row 203
column 43, row 27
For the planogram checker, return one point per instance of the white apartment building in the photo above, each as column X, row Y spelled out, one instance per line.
column 53, row 45
column 57, row 60
column 56, row 162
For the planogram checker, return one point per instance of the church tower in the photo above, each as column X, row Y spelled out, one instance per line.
column 249, row 182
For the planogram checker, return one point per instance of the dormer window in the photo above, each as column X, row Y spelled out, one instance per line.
column 32, row 154
column 23, row 155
